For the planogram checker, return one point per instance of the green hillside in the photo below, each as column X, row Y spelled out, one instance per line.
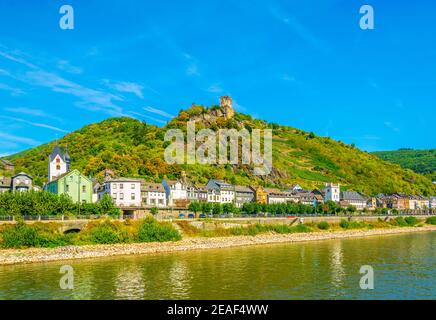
column 420, row 161
column 135, row 149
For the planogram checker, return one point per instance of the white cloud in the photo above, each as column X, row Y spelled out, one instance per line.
column 35, row 124
column 391, row 126
column 129, row 87
column 17, row 59
column 11, row 90
column 140, row 115
column 65, row 65
column 91, row 99
column 28, row 111
column 192, row 70
column 287, row 77
column 215, row 88
column 239, row 107
column 159, row 112
column 13, row 138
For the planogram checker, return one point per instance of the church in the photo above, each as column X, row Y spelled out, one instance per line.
column 62, row 180
column 58, row 163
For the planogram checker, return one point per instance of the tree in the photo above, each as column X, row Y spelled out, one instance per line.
column 107, row 206
column 194, row 207
column 206, row 207
column 154, row 211
column 228, row 208
column 351, row 209
column 217, row 208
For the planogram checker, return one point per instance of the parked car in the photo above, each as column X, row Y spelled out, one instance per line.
column 202, row 216
column 191, row 216
column 181, row 216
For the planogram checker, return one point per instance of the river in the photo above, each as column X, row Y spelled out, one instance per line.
column 404, row 268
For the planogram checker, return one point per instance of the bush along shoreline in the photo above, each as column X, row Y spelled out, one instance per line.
column 109, row 231
column 48, row 235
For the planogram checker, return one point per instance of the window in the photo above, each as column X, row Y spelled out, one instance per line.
column 83, row 188
column 132, row 196
column 121, row 196
column 58, row 160
column 160, row 201
column 83, row 201
column 58, row 167
column 132, row 186
column 67, row 188
column 115, row 186
column 121, row 186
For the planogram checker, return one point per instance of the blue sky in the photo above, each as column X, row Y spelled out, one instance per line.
column 306, row 64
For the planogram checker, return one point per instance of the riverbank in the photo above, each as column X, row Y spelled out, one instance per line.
column 20, row 256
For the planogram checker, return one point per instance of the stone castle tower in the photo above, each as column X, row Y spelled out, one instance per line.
column 226, row 107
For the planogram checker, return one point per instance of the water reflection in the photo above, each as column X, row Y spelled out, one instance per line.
column 129, row 284
column 337, row 269
column 404, row 269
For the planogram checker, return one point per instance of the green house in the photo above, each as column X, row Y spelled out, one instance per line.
column 74, row 184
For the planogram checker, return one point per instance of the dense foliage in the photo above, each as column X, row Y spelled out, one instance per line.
column 420, row 161
column 132, row 148
column 41, row 203
column 152, row 231
column 39, row 234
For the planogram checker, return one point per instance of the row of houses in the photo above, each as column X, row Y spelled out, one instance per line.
column 130, row 192
column 14, row 182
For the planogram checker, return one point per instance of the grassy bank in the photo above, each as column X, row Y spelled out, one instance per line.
column 49, row 235
column 220, row 230
column 30, row 255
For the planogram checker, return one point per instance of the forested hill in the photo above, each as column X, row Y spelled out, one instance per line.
column 132, row 148
column 420, row 161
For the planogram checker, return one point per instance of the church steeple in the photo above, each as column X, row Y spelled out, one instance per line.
column 58, row 163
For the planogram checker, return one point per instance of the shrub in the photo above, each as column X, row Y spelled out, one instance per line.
column 411, row 221
column 302, row 228
column 345, row 224
column 323, row 225
column 400, row 222
column 431, row 220
column 19, row 236
column 152, row 231
column 108, row 233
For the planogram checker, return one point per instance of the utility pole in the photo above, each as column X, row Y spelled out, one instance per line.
column 78, row 196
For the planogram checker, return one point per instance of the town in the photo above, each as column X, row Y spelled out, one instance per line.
column 134, row 195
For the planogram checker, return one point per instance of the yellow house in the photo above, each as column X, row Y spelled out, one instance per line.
column 260, row 194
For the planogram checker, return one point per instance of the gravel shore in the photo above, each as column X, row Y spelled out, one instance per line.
column 17, row 256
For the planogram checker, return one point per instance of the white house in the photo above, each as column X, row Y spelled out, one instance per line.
column 432, row 203
column 332, row 192
column 354, row 199
column 153, row 195
column 124, row 191
column 58, row 163
column 220, row 191
column 175, row 191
